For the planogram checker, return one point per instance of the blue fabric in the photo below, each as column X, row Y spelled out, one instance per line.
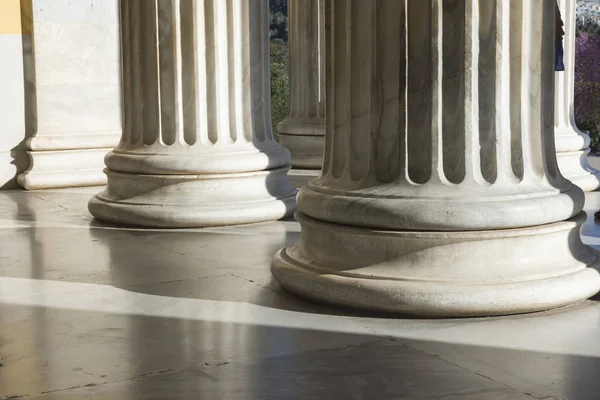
column 558, row 56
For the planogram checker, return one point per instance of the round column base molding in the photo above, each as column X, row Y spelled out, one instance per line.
column 194, row 201
column 63, row 168
column 473, row 210
column 568, row 139
column 306, row 150
column 575, row 167
column 215, row 159
column 440, row 274
column 302, row 127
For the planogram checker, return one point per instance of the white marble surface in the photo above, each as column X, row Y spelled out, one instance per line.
column 197, row 147
column 426, row 139
column 440, row 155
column 76, row 67
column 92, row 311
column 73, row 90
column 440, row 274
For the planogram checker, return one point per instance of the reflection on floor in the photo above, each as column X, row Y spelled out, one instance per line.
column 89, row 311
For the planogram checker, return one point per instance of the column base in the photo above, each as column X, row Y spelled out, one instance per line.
column 64, row 168
column 462, row 208
column 301, row 177
column 568, row 138
column 306, row 151
column 194, row 201
column 440, row 274
column 305, row 138
column 575, row 167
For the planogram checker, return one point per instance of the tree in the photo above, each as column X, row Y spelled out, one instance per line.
column 280, row 92
column 587, row 85
column 278, row 19
column 280, row 52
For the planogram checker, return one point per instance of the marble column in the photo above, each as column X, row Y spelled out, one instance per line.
column 440, row 193
column 303, row 131
column 197, row 146
column 572, row 145
column 72, row 91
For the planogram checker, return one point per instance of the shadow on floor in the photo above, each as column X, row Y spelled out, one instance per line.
column 63, row 353
column 218, row 264
column 107, row 313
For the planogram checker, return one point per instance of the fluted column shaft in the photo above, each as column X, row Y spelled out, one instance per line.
column 303, row 131
column 203, row 94
column 440, row 192
column 196, row 117
column 572, row 145
column 446, row 100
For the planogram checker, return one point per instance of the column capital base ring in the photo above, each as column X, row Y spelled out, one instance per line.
column 213, row 159
column 473, row 210
column 574, row 166
column 306, row 150
column 194, row 201
column 308, row 126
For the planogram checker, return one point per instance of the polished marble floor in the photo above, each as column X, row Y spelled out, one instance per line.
column 90, row 311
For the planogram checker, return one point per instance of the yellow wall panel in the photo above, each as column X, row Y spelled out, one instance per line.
column 10, row 17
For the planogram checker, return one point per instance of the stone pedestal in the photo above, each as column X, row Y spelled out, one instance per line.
column 440, row 193
column 197, row 147
column 72, row 91
column 572, row 145
column 303, row 131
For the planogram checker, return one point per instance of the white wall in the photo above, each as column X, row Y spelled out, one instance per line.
column 12, row 119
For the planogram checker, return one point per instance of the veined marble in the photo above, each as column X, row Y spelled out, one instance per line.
column 440, row 185
column 470, row 132
column 197, row 147
column 72, row 91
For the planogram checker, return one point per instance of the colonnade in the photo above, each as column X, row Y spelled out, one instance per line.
column 440, row 192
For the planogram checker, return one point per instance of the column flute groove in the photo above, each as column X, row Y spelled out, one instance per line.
column 476, row 224
column 197, row 148
column 303, row 131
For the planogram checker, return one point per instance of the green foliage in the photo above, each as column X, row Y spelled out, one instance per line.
column 278, row 19
column 588, row 27
column 279, row 52
column 280, row 91
column 593, row 130
column 587, row 82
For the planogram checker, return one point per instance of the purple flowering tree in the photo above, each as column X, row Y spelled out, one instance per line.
column 587, row 84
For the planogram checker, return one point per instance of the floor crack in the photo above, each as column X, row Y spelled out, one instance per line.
column 91, row 385
column 254, row 282
column 197, row 278
column 480, row 374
